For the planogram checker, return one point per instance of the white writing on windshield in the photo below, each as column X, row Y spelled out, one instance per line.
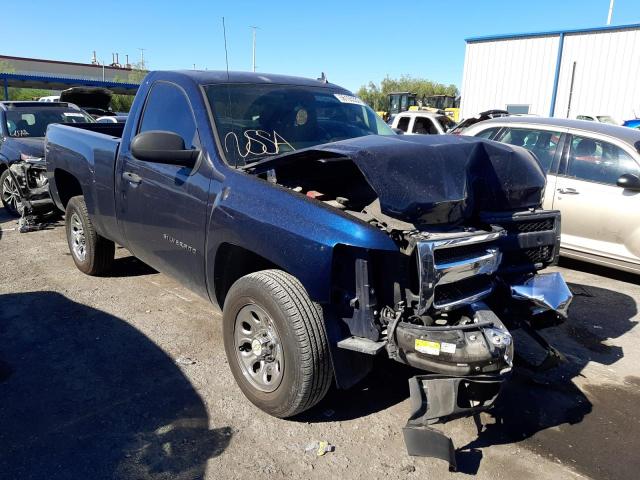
column 257, row 143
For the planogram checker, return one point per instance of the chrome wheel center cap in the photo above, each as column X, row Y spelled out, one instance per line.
column 256, row 347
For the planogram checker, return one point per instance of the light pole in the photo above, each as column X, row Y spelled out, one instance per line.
column 142, row 58
column 254, row 47
column 610, row 12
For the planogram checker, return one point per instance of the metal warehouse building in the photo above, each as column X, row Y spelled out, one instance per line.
column 561, row 74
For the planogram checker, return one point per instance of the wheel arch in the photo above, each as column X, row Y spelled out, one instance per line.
column 67, row 186
column 233, row 262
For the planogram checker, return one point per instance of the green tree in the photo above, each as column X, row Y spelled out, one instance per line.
column 376, row 96
column 122, row 103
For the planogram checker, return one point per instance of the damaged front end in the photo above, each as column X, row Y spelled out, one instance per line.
column 471, row 238
column 30, row 176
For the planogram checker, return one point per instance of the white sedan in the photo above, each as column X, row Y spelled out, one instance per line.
column 593, row 178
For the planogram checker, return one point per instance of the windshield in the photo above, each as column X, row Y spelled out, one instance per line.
column 446, row 122
column 255, row 121
column 33, row 121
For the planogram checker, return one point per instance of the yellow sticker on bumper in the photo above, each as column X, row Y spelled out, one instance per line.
column 427, row 346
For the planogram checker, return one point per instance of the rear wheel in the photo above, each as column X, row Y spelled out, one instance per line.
column 276, row 344
column 91, row 253
column 10, row 194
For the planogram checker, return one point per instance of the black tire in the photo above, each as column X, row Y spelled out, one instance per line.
column 307, row 373
column 5, row 182
column 98, row 251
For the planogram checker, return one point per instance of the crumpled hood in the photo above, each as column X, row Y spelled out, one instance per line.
column 13, row 147
column 436, row 179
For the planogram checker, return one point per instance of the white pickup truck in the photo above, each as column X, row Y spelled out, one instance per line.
column 418, row 122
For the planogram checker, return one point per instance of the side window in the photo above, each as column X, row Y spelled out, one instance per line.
column 167, row 108
column 424, row 126
column 488, row 133
column 584, row 117
column 598, row 161
column 542, row 143
column 403, row 123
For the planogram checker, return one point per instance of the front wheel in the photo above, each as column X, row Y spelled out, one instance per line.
column 276, row 343
column 10, row 194
column 91, row 253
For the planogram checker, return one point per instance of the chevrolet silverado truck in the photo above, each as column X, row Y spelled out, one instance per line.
column 325, row 238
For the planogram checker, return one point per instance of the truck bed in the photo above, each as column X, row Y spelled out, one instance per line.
column 111, row 129
column 87, row 152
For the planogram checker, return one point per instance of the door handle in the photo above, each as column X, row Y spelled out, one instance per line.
column 132, row 177
column 568, row 191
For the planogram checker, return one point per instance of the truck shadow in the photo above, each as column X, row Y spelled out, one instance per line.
column 85, row 395
column 129, row 267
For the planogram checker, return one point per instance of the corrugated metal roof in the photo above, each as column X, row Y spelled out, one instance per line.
column 633, row 26
column 60, row 83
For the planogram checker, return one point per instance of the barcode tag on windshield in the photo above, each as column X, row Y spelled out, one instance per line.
column 348, row 99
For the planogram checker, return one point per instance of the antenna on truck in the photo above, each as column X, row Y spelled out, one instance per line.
column 226, row 59
column 226, row 55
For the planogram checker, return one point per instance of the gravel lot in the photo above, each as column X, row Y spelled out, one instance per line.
column 125, row 377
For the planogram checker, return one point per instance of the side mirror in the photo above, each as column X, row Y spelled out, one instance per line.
column 163, row 147
column 628, row 181
column 398, row 131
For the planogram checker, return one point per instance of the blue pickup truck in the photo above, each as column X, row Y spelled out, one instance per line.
column 323, row 236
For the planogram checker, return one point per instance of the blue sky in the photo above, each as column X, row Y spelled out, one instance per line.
column 353, row 42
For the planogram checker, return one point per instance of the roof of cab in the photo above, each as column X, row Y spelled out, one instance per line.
column 420, row 113
column 626, row 134
column 207, row 77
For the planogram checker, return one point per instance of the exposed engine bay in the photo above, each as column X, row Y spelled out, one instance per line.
column 465, row 215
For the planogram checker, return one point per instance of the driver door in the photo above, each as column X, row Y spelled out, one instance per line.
column 162, row 207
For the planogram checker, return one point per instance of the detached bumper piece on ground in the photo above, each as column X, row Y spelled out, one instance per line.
column 438, row 398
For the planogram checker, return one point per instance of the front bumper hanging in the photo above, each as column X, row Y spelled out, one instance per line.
column 439, row 398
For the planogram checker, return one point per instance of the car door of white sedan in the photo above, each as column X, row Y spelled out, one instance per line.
column 598, row 217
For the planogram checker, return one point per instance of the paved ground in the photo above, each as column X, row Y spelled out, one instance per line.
column 125, row 377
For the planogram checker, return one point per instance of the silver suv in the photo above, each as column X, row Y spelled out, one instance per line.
column 593, row 178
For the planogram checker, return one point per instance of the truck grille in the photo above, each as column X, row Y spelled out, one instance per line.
column 532, row 241
column 526, row 226
column 456, row 271
column 534, row 255
column 460, row 292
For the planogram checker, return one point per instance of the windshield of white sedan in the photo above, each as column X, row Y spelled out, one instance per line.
column 256, row 121
column 33, row 121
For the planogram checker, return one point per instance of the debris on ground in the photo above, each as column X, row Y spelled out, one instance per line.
column 186, row 361
column 33, row 223
column 319, row 448
column 408, row 468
